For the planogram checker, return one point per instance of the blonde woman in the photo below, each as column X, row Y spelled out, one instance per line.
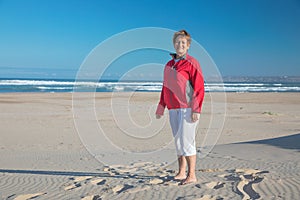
column 183, row 93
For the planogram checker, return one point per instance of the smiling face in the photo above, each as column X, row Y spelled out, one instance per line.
column 181, row 45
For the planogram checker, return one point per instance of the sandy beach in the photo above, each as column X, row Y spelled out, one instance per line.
column 42, row 155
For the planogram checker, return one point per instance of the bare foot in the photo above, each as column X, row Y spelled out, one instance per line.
column 180, row 177
column 189, row 180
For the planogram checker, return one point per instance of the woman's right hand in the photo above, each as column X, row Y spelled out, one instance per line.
column 158, row 116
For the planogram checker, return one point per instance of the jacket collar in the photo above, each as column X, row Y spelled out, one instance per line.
column 174, row 55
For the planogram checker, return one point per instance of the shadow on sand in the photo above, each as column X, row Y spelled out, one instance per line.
column 286, row 142
column 58, row 173
column 72, row 174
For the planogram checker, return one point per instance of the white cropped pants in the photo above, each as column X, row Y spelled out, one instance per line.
column 183, row 130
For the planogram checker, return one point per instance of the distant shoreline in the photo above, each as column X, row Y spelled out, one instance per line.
column 229, row 84
column 226, row 78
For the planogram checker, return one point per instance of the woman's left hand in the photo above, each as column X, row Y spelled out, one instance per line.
column 195, row 116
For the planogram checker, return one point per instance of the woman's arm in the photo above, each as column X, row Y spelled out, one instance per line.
column 197, row 81
column 161, row 105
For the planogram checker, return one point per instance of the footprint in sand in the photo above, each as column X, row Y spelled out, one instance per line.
column 244, row 179
column 82, row 178
column 78, row 181
column 92, row 197
column 130, row 189
column 156, row 181
column 99, row 181
column 29, row 196
column 121, row 188
column 211, row 170
column 208, row 197
column 172, row 183
column 72, row 186
column 215, row 185
column 245, row 187
column 247, row 171
column 132, row 168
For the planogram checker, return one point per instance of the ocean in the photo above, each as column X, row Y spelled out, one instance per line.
column 229, row 84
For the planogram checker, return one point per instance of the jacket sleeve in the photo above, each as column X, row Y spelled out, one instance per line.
column 197, row 82
column 161, row 105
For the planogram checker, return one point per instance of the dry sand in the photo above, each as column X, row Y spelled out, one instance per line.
column 42, row 156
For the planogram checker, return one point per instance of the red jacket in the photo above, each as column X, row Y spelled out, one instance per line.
column 183, row 85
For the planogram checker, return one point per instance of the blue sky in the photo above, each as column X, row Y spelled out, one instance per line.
column 51, row 38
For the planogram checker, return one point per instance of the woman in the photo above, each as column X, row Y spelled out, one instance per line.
column 183, row 93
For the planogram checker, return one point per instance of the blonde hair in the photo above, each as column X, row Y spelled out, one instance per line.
column 183, row 33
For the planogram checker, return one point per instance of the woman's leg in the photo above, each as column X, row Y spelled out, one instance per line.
column 191, row 162
column 181, row 175
column 175, row 119
column 189, row 146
